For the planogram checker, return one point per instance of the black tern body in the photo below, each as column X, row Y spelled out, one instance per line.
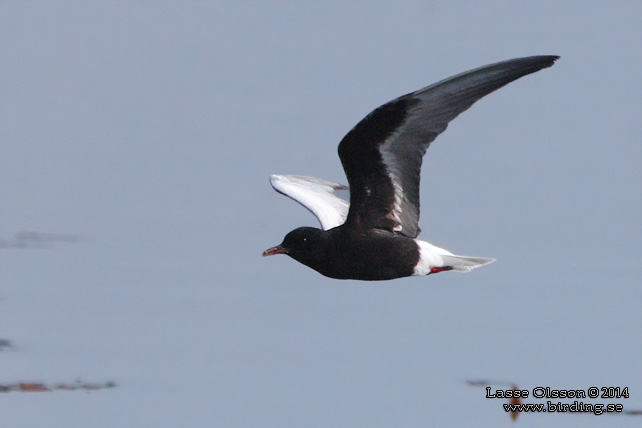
column 374, row 237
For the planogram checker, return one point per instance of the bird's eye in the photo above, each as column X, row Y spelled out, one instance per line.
column 305, row 240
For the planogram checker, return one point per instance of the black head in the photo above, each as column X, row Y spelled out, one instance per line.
column 306, row 245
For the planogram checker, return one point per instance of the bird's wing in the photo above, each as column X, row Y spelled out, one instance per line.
column 382, row 154
column 316, row 195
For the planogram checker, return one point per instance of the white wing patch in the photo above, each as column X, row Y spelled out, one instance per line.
column 315, row 194
column 394, row 215
column 395, row 177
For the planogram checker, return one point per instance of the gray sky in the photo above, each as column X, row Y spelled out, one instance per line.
column 150, row 129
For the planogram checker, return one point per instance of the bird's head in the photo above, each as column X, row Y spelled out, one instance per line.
column 306, row 245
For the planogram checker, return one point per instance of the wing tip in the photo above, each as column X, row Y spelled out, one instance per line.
column 305, row 180
column 540, row 61
column 551, row 59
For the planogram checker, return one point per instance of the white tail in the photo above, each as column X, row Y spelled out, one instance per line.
column 464, row 263
column 432, row 259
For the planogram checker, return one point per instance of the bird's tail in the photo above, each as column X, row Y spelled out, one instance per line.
column 464, row 263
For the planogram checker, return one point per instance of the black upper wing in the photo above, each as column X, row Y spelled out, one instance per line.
column 382, row 154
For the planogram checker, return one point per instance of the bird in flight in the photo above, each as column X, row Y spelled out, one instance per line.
column 374, row 236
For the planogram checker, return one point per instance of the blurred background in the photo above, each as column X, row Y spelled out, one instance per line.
column 136, row 142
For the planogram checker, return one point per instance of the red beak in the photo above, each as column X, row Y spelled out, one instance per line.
column 274, row 250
